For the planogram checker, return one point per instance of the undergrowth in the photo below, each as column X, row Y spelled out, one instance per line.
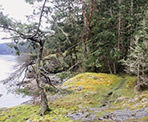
column 89, row 90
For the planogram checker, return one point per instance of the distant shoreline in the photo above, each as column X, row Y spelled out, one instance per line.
column 6, row 50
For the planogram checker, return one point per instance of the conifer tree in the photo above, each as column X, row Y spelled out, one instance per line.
column 137, row 60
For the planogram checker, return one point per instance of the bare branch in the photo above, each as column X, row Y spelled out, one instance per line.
column 66, row 34
column 40, row 19
column 6, row 38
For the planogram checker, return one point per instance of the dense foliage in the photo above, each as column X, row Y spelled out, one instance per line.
column 95, row 35
column 90, row 35
column 108, row 36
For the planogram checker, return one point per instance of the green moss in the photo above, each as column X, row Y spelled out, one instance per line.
column 23, row 113
column 19, row 113
column 92, row 81
column 57, row 114
column 96, row 89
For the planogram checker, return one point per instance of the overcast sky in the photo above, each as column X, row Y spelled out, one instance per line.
column 17, row 9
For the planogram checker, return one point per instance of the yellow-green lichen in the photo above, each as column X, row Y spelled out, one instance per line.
column 94, row 88
column 91, row 81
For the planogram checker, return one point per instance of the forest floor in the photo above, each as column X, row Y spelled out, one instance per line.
column 88, row 97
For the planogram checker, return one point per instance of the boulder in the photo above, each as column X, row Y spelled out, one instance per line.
column 3, row 109
column 30, row 72
column 53, row 65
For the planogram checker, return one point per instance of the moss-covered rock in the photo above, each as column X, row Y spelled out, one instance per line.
column 92, row 81
column 85, row 103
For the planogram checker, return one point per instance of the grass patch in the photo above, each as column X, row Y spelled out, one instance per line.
column 95, row 90
column 19, row 113
column 28, row 112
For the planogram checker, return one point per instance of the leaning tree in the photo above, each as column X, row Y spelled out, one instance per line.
column 36, row 36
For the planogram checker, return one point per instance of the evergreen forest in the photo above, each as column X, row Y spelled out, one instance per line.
column 84, row 60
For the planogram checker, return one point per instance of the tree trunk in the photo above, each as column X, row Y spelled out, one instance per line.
column 131, row 22
column 131, row 8
column 86, row 26
column 44, row 102
column 138, row 75
column 114, row 66
column 85, row 30
column 119, row 25
column 109, row 67
column 138, row 85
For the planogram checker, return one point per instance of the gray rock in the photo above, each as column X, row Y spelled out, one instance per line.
column 30, row 69
column 54, row 97
column 80, row 88
column 126, row 114
column 98, row 109
column 30, row 75
column 55, row 80
column 144, row 100
column 28, row 120
column 3, row 109
column 119, row 99
column 82, row 115
column 53, row 65
column 93, row 77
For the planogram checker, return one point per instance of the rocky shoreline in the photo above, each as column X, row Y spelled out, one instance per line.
column 87, row 105
column 31, row 86
column 85, row 114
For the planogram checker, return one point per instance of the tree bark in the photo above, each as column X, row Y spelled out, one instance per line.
column 44, row 101
column 131, row 8
column 131, row 22
column 85, row 29
column 138, row 72
column 110, row 69
column 87, row 26
column 119, row 24
column 114, row 66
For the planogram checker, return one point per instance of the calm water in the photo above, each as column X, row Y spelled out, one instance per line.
column 7, row 64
